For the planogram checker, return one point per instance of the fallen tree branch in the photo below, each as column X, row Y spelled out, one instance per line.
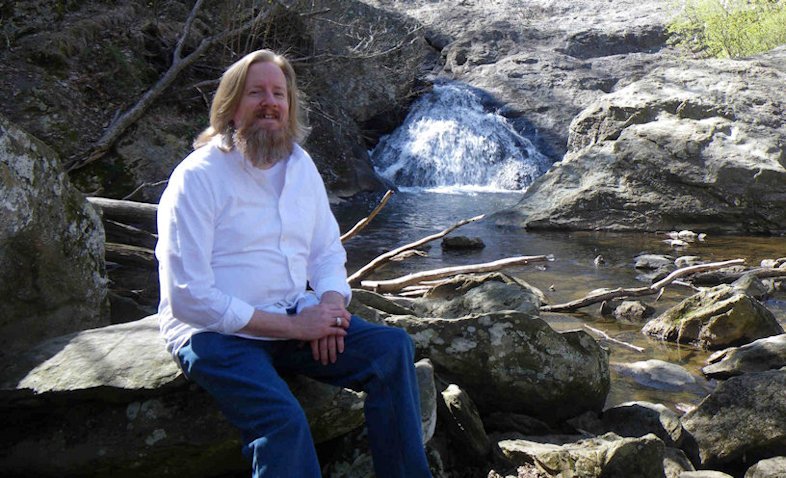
column 132, row 115
column 394, row 285
column 609, row 338
column 365, row 221
column 382, row 259
column 127, row 212
column 143, row 186
column 638, row 291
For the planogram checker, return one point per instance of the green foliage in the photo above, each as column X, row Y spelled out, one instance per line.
column 729, row 28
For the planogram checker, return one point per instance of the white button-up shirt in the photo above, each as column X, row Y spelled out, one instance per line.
column 228, row 243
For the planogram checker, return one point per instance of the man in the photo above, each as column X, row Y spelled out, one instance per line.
column 244, row 225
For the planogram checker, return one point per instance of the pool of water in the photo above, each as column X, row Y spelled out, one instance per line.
column 412, row 215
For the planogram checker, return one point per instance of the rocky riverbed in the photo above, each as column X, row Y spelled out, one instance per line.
column 642, row 139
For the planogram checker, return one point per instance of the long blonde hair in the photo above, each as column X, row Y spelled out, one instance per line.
column 231, row 89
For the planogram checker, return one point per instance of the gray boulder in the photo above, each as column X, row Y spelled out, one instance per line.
column 467, row 294
column 607, row 455
column 52, row 274
column 715, row 318
column 760, row 355
column 770, row 468
column 628, row 311
column 693, row 146
column 513, row 362
column 742, row 421
column 112, row 400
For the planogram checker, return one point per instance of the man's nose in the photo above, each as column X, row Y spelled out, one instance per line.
column 266, row 98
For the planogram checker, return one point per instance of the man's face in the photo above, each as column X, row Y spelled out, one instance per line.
column 265, row 99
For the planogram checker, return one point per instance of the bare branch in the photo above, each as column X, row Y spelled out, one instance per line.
column 394, row 285
column 133, row 114
column 611, row 339
column 365, row 221
column 638, row 291
column 382, row 259
column 143, row 186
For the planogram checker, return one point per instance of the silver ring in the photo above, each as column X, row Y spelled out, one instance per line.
column 338, row 321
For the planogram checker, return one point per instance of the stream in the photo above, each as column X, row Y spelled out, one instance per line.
column 457, row 156
column 413, row 214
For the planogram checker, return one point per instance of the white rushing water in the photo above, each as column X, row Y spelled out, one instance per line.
column 450, row 141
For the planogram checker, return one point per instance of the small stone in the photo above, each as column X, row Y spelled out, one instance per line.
column 462, row 243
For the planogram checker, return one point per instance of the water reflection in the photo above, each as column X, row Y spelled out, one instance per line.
column 410, row 216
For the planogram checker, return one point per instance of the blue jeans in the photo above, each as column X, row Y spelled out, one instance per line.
column 243, row 377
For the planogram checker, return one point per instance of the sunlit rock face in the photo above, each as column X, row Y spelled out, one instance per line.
column 697, row 146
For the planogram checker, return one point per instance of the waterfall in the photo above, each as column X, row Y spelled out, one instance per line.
column 450, row 140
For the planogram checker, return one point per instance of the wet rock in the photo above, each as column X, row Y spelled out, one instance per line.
column 653, row 261
column 715, row 318
column 769, row 468
column 661, row 375
column 631, row 312
column 527, row 367
column 52, row 273
column 467, row 294
column 741, row 421
column 688, row 261
column 760, row 355
column 462, row 243
column 462, row 420
column 607, row 455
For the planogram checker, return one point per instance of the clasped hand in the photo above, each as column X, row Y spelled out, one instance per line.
column 322, row 330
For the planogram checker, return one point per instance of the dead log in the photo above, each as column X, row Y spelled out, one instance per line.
column 383, row 259
column 609, row 338
column 365, row 221
column 127, row 212
column 134, row 256
column 395, row 285
column 133, row 236
column 655, row 288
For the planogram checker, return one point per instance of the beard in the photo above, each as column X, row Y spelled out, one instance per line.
column 263, row 147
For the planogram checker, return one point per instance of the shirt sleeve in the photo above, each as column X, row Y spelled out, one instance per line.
column 187, row 216
column 326, row 266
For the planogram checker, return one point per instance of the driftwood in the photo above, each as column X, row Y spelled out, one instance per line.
column 638, row 291
column 609, row 338
column 365, row 221
column 124, row 234
column 126, row 255
column 395, row 285
column 127, row 212
column 383, row 259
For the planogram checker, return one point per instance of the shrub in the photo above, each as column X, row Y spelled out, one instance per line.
column 729, row 28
